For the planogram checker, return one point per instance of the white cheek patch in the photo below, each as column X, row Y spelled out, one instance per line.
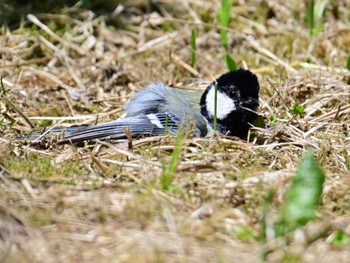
column 225, row 105
column 154, row 120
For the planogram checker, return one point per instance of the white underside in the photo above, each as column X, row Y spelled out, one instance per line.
column 225, row 105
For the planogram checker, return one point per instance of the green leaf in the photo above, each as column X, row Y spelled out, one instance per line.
column 303, row 196
column 340, row 239
column 85, row 3
column 244, row 233
column 272, row 119
column 230, row 62
column 297, row 109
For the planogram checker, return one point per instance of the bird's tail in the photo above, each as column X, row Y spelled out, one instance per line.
column 145, row 125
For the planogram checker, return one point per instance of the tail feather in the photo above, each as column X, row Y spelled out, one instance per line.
column 145, row 125
column 116, row 131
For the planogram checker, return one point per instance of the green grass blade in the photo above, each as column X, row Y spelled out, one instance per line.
column 193, row 46
column 303, row 196
column 169, row 172
column 348, row 63
column 224, row 19
column 166, row 128
column 319, row 9
column 264, row 215
column 215, row 106
column 311, row 16
column 315, row 12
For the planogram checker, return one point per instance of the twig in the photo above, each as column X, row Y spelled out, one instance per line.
column 129, row 137
column 157, row 41
column 130, row 154
column 100, row 165
column 47, row 131
column 11, row 105
column 177, row 60
column 37, row 22
column 256, row 45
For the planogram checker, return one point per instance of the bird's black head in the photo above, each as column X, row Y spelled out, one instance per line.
column 237, row 102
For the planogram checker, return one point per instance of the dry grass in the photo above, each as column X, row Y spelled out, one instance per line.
column 104, row 202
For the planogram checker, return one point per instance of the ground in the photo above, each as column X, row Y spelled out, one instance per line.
column 106, row 202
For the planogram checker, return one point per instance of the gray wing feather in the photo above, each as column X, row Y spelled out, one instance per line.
column 147, row 100
column 157, row 98
column 114, row 130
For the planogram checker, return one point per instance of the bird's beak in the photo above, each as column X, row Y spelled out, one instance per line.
column 250, row 103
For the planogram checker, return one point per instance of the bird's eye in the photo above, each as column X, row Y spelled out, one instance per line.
column 233, row 94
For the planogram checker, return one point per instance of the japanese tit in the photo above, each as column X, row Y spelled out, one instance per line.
column 157, row 109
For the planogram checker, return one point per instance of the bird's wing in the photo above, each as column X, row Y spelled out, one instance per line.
column 147, row 100
column 145, row 125
column 157, row 98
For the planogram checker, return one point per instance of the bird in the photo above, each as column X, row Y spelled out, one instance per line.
column 158, row 109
